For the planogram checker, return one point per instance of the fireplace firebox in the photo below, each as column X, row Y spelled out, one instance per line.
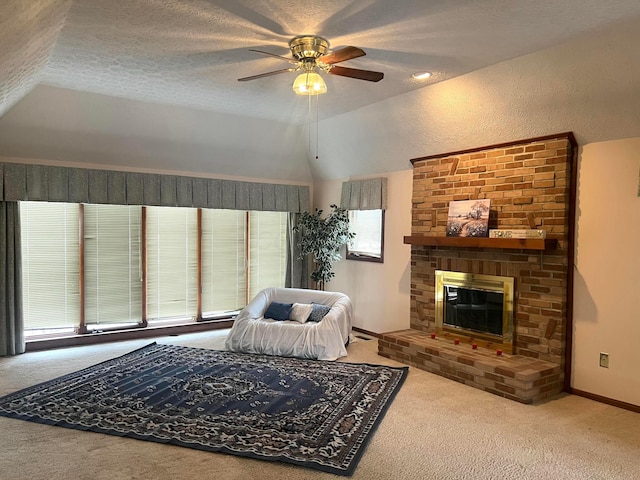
column 475, row 307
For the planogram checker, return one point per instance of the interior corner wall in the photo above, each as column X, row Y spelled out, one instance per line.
column 606, row 312
column 379, row 292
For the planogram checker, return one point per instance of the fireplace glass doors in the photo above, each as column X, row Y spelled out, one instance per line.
column 479, row 307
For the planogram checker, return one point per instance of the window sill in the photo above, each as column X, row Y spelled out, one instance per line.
column 363, row 257
column 34, row 345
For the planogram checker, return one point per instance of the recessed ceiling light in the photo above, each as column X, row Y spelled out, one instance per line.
column 421, row 75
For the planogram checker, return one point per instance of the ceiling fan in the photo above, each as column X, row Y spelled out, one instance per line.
column 309, row 57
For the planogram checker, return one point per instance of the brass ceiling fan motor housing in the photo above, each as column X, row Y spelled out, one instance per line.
column 308, row 47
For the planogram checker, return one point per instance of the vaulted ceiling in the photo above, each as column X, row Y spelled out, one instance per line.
column 183, row 59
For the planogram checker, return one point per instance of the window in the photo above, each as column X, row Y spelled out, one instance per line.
column 172, row 263
column 112, row 266
column 268, row 252
column 85, row 267
column 50, row 266
column 366, row 201
column 224, row 286
column 368, row 243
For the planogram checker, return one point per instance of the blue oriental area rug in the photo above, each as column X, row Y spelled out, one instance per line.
column 311, row 413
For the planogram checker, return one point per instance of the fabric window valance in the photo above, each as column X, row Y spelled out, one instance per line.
column 19, row 182
column 370, row 194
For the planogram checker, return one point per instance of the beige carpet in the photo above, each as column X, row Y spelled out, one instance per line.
column 435, row 429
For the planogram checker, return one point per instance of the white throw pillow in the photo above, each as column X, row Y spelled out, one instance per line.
column 300, row 312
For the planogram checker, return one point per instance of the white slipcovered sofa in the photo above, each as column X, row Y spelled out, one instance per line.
column 322, row 340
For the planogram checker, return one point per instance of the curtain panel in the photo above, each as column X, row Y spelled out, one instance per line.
column 80, row 185
column 297, row 274
column 370, row 194
column 11, row 328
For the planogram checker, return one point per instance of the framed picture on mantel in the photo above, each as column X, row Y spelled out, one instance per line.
column 468, row 218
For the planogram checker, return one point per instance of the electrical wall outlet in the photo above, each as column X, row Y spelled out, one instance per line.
column 604, row 360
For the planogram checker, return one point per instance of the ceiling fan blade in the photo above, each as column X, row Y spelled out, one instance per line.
column 346, row 53
column 290, row 60
column 253, row 77
column 367, row 75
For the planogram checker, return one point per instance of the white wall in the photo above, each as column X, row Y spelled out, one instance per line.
column 607, row 275
column 588, row 87
column 379, row 291
column 91, row 129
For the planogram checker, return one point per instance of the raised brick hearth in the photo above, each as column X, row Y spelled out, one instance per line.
column 516, row 377
column 529, row 184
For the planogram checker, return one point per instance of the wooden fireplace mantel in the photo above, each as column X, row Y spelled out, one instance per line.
column 540, row 244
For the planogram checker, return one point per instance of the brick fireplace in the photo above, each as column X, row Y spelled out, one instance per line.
column 530, row 185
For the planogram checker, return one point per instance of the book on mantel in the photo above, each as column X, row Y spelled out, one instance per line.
column 517, row 233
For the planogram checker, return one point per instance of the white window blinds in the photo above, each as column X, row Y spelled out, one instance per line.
column 171, row 262
column 113, row 262
column 113, row 270
column 367, row 225
column 51, row 292
column 223, row 261
column 267, row 254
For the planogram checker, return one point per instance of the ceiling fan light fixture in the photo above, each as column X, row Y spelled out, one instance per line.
column 309, row 83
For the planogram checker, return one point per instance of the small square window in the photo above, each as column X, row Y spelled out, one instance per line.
column 368, row 244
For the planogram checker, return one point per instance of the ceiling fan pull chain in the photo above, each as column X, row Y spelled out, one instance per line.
column 317, row 127
column 309, row 121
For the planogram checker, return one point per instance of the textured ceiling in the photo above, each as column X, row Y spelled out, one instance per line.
column 190, row 53
column 28, row 33
column 152, row 85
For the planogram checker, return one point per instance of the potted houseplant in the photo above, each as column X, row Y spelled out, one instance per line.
column 322, row 238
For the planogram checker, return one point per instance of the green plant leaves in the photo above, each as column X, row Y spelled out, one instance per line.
column 322, row 238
